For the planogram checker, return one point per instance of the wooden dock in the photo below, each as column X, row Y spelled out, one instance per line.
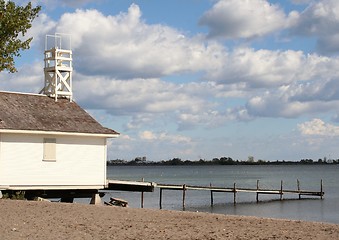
column 141, row 186
column 132, row 186
column 234, row 190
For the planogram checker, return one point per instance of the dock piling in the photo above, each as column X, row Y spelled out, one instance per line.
column 142, row 195
column 160, row 199
column 183, row 196
column 321, row 189
column 234, row 194
column 211, row 195
column 257, row 198
column 281, row 190
column 298, row 187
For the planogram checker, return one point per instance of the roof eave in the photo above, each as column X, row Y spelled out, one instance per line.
column 103, row 135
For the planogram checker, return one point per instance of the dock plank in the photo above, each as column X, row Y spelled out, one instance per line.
column 132, row 186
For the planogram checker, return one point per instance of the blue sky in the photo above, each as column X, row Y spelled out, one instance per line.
column 199, row 78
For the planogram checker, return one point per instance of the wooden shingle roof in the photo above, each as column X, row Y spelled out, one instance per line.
column 41, row 113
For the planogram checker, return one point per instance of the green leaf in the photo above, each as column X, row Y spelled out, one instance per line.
column 14, row 23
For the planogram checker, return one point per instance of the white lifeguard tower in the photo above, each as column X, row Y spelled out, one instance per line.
column 58, row 66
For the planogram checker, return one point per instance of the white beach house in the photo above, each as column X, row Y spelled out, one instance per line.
column 48, row 143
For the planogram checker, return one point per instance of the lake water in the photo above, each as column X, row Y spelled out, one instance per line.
column 326, row 210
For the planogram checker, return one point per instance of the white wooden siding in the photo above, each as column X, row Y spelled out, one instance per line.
column 80, row 161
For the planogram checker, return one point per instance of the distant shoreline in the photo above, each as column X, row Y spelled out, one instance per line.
column 216, row 161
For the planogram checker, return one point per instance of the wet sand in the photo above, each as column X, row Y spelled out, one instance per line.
column 45, row 220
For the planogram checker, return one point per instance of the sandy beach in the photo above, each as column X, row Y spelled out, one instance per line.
column 45, row 220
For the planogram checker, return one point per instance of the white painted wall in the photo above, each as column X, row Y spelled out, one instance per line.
column 80, row 161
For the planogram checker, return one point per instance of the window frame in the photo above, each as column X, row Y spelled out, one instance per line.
column 49, row 149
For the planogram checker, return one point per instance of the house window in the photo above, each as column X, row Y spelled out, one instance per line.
column 49, row 149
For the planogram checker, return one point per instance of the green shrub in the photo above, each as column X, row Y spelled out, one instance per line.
column 15, row 195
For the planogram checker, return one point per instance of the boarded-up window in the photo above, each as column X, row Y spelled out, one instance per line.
column 49, row 149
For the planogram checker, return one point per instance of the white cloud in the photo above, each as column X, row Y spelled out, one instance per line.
column 243, row 19
column 271, row 105
column 174, row 138
column 121, row 144
column 311, row 88
column 164, row 136
column 281, row 73
column 138, row 120
column 296, row 99
column 124, row 46
column 259, row 68
column 209, row 118
column 41, row 26
column 151, row 101
column 141, row 95
column 250, row 69
column 248, row 19
column 29, row 78
column 320, row 20
column 319, row 128
column 147, row 135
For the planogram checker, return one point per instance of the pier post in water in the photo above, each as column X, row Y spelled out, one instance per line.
column 142, row 195
column 234, row 194
column 160, row 199
column 257, row 191
column 281, row 190
column 211, row 195
column 321, row 189
column 183, row 196
column 298, row 186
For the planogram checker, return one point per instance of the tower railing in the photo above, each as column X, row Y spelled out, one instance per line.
column 58, row 67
